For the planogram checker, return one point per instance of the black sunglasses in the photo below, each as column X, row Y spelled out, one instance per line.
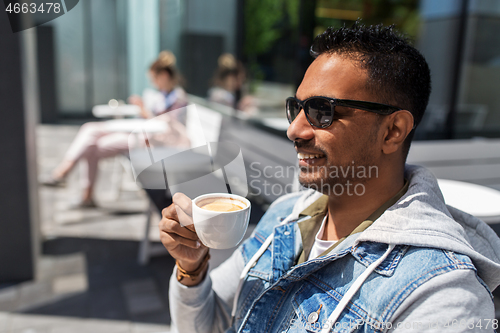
column 320, row 110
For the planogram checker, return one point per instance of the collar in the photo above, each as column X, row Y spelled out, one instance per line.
column 317, row 210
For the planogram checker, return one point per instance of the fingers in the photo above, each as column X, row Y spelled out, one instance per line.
column 175, row 212
column 170, row 212
column 170, row 222
column 183, row 207
column 183, row 202
column 184, row 219
column 172, row 226
column 174, row 240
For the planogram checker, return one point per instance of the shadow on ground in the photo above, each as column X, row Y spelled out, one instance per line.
column 118, row 287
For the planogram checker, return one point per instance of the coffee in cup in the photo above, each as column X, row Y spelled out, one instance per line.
column 221, row 219
column 221, row 204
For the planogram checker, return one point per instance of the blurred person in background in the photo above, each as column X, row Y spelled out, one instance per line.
column 228, row 85
column 170, row 96
column 358, row 251
column 94, row 142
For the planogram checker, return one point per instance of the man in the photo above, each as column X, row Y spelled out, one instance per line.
column 371, row 247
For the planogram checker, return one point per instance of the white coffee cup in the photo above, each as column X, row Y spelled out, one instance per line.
column 221, row 229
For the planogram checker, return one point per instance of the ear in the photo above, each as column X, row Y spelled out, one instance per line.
column 397, row 127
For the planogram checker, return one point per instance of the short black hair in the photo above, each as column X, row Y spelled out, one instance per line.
column 397, row 72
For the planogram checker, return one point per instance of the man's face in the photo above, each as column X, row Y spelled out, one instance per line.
column 340, row 153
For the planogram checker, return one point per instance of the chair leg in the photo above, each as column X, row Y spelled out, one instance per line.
column 117, row 177
column 144, row 247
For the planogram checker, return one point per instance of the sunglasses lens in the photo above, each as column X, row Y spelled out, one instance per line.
column 292, row 109
column 320, row 112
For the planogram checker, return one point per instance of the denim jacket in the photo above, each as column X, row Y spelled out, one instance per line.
column 437, row 277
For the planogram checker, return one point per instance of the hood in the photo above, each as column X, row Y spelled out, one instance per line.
column 421, row 218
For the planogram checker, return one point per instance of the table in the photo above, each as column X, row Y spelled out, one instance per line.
column 480, row 201
column 116, row 111
column 136, row 125
column 280, row 124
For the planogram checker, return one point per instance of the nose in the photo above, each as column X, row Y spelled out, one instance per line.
column 300, row 129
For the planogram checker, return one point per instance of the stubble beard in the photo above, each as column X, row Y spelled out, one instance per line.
column 321, row 179
column 324, row 178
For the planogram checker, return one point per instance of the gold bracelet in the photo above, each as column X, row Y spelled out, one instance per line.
column 193, row 275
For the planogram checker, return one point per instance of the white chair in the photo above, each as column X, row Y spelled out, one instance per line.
column 480, row 201
column 203, row 126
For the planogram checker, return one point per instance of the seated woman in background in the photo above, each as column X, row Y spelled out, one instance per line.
column 228, row 82
column 165, row 77
column 94, row 142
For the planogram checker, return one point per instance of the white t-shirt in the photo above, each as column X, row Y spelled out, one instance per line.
column 159, row 102
column 320, row 245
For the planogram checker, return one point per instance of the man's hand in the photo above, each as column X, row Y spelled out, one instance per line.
column 179, row 237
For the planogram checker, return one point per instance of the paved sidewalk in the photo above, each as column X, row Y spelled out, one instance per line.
column 88, row 279
column 23, row 323
column 120, row 215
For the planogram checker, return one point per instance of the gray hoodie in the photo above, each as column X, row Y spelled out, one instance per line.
column 423, row 220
